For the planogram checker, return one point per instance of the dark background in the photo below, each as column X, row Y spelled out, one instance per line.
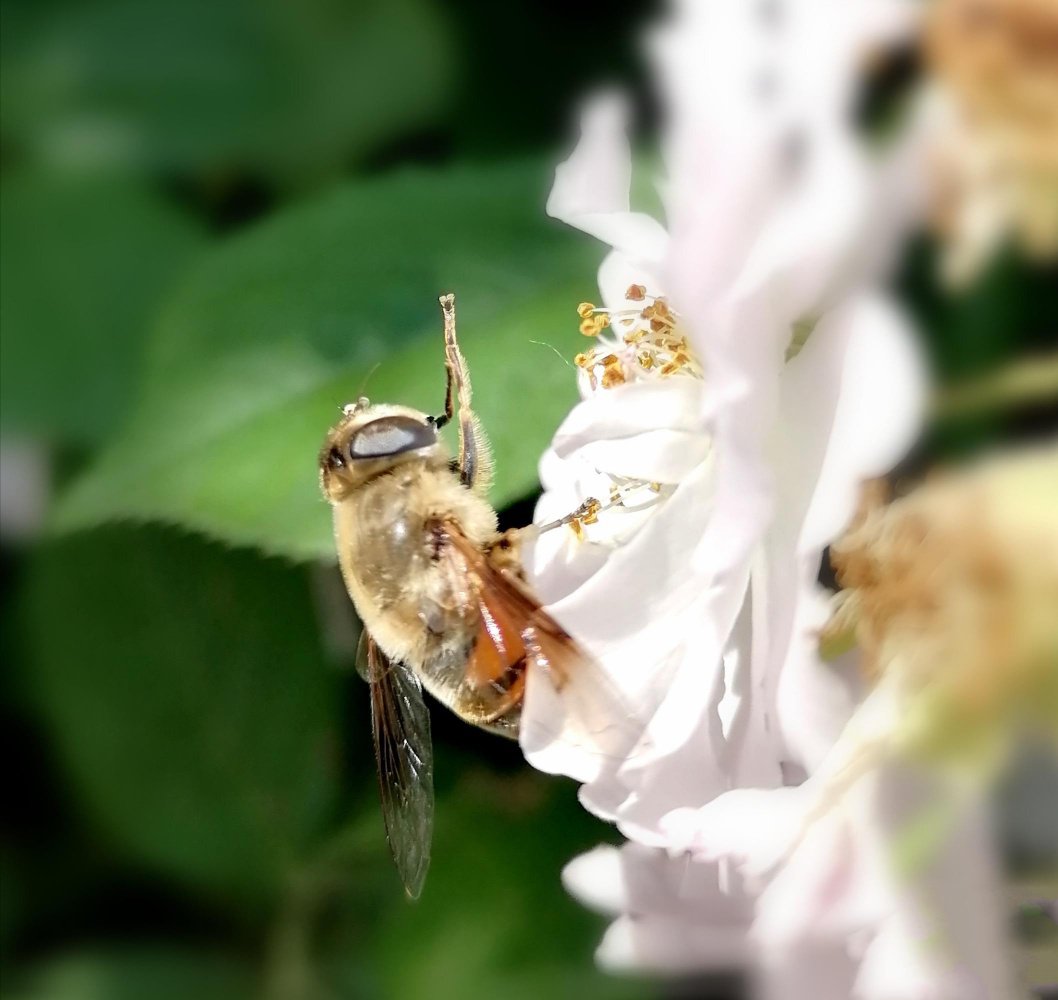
column 220, row 219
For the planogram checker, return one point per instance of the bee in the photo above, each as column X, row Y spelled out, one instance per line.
column 440, row 593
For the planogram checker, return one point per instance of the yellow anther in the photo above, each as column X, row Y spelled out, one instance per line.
column 585, row 309
column 612, row 377
column 589, row 510
column 594, row 325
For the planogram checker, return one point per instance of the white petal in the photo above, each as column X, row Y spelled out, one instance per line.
column 670, row 946
column 649, row 432
column 857, row 389
column 618, row 272
column 850, row 404
column 674, row 404
column 753, row 827
column 597, row 880
column 632, row 632
column 676, row 915
column 591, row 188
column 653, row 456
column 814, row 699
column 798, row 251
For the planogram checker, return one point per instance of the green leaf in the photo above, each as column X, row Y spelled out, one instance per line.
column 187, row 696
column 278, row 328
column 83, row 264
column 292, row 91
column 161, row 973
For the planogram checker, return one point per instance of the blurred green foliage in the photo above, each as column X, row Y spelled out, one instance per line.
column 220, row 220
column 84, row 261
column 190, row 701
column 290, row 92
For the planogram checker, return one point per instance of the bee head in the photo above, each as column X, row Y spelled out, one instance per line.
column 370, row 440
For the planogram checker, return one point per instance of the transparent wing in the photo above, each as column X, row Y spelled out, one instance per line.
column 363, row 655
column 400, row 725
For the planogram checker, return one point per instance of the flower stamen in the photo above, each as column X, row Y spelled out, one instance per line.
column 646, row 342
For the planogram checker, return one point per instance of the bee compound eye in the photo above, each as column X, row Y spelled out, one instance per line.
column 391, row 436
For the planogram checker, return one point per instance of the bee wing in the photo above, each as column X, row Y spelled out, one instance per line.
column 579, row 705
column 400, row 726
column 363, row 655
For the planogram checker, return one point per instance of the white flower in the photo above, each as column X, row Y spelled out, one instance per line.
column 695, row 591
column 758, row 462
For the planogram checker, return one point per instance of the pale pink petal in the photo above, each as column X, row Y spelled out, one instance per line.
column 670, row 946
column 849, row 406
column 814, row 698
column 865, row 414
column 750, row 826
column 677, row 915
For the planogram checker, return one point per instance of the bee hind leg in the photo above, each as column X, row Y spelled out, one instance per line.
column 512, row 699
column 475, row 457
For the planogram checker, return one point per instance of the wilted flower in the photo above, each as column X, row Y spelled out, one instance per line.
column 993, row 110
column 951, row 592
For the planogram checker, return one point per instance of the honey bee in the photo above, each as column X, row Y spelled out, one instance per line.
column 439, row 591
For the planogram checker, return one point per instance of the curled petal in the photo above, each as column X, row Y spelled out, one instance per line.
column 591, row 189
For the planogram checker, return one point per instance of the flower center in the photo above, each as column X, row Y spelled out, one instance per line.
column 643, row 343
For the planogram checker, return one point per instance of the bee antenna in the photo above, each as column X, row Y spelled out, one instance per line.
column 367, row 378
column 551, row 347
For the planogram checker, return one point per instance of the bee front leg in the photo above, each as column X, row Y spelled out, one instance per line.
column 506, row 551
column 475, row 457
